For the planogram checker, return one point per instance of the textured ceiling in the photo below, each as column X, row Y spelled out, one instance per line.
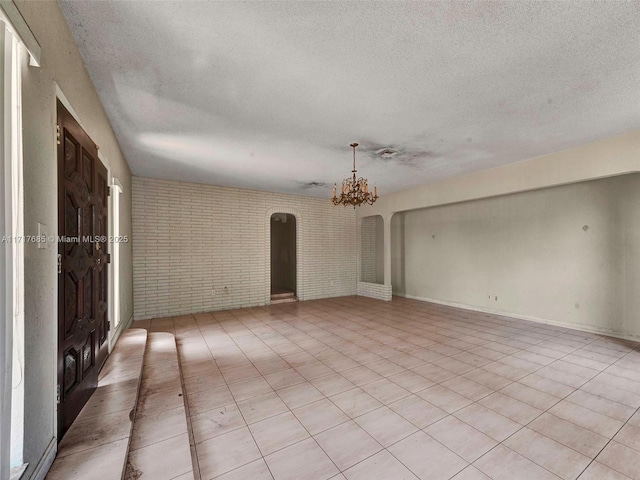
column 268, row 95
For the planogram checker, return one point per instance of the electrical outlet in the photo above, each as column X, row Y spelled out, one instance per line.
column 213, row 292
column 495, row 298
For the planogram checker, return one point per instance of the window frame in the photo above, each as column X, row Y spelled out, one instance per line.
column 16, row 40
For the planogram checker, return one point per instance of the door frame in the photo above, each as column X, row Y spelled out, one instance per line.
column 60, row 96
column 113, row 269
column 11, row 252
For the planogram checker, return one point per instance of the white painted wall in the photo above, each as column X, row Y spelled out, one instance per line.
column 61, row 64
column 372, row 250
column 190, row 240
column 565, row 254
column 629, row 211
column 379, row 249
column 610, row 157
column 378, row 291
column 368, row 260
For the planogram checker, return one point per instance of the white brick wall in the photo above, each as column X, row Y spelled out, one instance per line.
column 375, row 290
column 190, row 239
column 368, row 260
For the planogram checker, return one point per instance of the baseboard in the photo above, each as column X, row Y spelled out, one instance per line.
column 45, row 462
column 572, row 326
column 19, row 473
column 265, row 303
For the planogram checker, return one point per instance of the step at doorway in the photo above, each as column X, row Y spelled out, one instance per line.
column 281, row 295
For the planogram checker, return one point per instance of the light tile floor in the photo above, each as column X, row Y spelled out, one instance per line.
column 95, row 446
column 159, row 447
column 361, row 389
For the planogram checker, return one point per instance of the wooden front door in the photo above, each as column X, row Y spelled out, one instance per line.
column 83, row 323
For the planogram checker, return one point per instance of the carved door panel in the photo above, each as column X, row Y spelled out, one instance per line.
column 82, row 272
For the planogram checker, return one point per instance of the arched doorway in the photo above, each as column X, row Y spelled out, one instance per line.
column 283, row 258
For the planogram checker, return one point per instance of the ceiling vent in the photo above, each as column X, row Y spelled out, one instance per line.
column 387, row 152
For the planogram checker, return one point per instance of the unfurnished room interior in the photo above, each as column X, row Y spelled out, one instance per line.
column 320, row 240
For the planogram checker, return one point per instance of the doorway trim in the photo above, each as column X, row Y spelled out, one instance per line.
column 300, row 280
column 62, row 98
column 116, row 322
column 11, row 252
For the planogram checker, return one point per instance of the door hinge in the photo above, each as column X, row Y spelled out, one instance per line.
column 59, row 263
column 108, row 191
column 58, row 394
column 108, row 258
column 58, row 134
column 108, row 326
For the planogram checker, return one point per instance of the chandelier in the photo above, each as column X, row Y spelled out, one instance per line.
column 355, row 191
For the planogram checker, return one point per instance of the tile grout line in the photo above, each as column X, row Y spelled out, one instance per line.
column 194, row 457
column 309, row 380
